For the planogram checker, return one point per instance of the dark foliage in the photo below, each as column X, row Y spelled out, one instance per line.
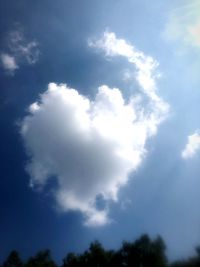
column 13, row 260
column 42, row 259
column 144, row 252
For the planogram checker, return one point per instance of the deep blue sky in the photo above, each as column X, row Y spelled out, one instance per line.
column 162, row 196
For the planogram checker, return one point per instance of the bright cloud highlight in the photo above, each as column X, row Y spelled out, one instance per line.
column 90, row 146
column 192, row 147
column 8, row 62
column 145, row 69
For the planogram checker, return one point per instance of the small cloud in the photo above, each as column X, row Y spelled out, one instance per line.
column 125, row 204
column 8, row 62
column 21, row 51
column 128, row 75
column 96, row 218
column 22, row 48
column 192, row 147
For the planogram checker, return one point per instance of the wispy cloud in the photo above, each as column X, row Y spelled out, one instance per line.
column 184, row 24
column 20, row 51
column 146, row 66
column 90, row 146
column 22, row 48
column 192, row 147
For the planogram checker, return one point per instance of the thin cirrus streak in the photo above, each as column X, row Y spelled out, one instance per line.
column 90, row 146
column 184, row 24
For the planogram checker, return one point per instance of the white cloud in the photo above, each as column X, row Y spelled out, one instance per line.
column 21, row 51
column 192, row 146
column 8, row 62
column 91, row 146
column 184, row 24
column 145, row 69
column 22, row 48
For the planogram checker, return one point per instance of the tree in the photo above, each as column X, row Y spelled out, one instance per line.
column 97, row 255
column 71, row 260
column 13, row 260
column 143, row 252
column 42, row 259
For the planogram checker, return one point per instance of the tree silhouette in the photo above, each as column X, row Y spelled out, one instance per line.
column 71, row 260
column 191, row 262
column 13, row 260
column 42, row 259
column 143, row 252
column 97, row 256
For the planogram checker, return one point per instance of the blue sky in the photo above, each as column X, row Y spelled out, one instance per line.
column 117, row 155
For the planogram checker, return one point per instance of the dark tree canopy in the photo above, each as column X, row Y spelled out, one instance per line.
column 13, row 260
column 41, row 259
column 143, row 252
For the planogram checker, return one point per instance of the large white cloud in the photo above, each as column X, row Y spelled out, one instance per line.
column 90, row 146
column 192, row 146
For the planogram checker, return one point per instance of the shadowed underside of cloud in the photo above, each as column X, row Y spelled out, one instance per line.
column 192, row 146
column 90, row 146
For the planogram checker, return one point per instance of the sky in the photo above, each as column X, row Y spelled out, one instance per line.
column 100, row 129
